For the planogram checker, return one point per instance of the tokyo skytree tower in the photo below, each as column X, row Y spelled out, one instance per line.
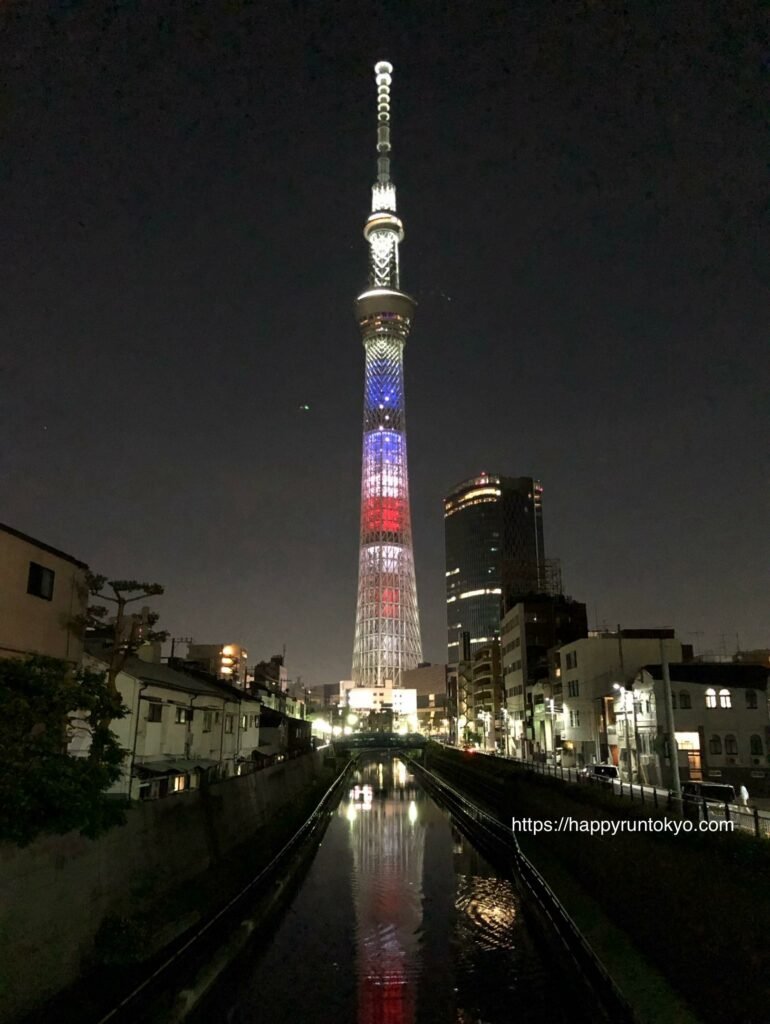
column 387, row 638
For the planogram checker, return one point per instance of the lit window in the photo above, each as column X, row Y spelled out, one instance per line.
column 725, row 700
column 711, row 698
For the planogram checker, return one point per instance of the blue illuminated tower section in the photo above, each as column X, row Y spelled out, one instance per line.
column 387, row 639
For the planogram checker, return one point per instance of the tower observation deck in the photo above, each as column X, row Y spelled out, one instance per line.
column 387, row 636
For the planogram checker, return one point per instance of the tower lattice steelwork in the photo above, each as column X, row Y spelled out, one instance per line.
column 387, row 639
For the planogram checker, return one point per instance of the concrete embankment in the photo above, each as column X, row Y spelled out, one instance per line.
column 694, row 906
column 71, row 906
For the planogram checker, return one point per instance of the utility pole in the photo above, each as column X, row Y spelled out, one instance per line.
column 676, row 786
column 625, row 711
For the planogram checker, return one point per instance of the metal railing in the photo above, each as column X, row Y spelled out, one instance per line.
column 745, row 819
column 580, row 952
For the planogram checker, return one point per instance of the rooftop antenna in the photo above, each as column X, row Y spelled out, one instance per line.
column 382, row 72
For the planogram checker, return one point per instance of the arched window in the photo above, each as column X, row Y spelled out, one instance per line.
column 684, row 700
column 715, row 745
column 751, row 699
column 725, row 700
column 731, row 744
column 711, row 698
column 755, row 745
column 673, row 701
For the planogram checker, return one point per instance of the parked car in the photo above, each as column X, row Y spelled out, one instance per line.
column 607, row 773
column 711, row 792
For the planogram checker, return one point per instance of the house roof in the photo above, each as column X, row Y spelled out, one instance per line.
column 175, row 679
column 705, row 673
column 43, row 547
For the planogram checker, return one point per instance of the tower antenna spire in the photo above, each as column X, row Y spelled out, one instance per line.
column 383, row 72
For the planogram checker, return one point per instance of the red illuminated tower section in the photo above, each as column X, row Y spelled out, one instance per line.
column 387, row 637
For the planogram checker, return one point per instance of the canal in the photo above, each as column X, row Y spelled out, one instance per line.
column 398, row 920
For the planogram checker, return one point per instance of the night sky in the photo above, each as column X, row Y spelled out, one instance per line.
column 584, row 191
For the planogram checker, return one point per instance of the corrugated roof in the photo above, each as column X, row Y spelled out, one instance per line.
column 175, row 679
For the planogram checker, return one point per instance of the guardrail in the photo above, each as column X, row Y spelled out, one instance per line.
column 746, row 819
column 580, row 952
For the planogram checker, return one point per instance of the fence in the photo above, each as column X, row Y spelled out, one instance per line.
column 747, row 819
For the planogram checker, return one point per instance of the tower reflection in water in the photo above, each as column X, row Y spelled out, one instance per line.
column 387, row 839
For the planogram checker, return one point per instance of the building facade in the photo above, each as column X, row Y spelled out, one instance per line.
column 591, row 672
column 42, row 591
column 530, row 630
column 387, row 632
column 493, row 533
column 721, row 723
column 225, row 661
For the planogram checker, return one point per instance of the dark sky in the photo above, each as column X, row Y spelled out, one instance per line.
column 584, row 189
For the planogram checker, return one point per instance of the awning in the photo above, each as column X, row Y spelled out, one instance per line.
column 179, row 767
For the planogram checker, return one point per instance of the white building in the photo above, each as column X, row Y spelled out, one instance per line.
column 587, row 672
column 180, row 729
column 721, row 723
column 398, row 699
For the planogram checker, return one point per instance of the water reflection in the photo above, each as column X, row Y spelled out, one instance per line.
column 399, row 920
column 387, row 840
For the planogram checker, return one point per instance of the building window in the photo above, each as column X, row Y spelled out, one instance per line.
column 574, row 719
column 711, row 698
column 725, row 700
column 154, row 712
column 40, row 581
column 573, row 689
column 685, row 703
column 229, row 723
column 715, row 745
column 207, row 717
column 673, row 701
column 755, row 745
column 183, row 715
column 751, row 699
column 244, row 722
column 731, row 744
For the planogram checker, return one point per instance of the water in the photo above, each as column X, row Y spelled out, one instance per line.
column 398, row 921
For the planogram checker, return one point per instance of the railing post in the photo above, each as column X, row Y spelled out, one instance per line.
column 756, row 821
column 655, row 796
column 705, row 809
column 621, row 789
column 727, row 811
column 641, row 791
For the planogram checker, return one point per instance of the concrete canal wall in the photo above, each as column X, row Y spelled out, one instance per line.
column 58, row 894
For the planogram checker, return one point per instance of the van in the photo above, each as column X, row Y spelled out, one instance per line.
column 712, row 792
column 600, row 773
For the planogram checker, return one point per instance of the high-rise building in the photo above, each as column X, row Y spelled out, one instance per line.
column 493, row 531
column 387, row 635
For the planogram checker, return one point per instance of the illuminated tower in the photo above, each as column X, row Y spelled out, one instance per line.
column 387, row 638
